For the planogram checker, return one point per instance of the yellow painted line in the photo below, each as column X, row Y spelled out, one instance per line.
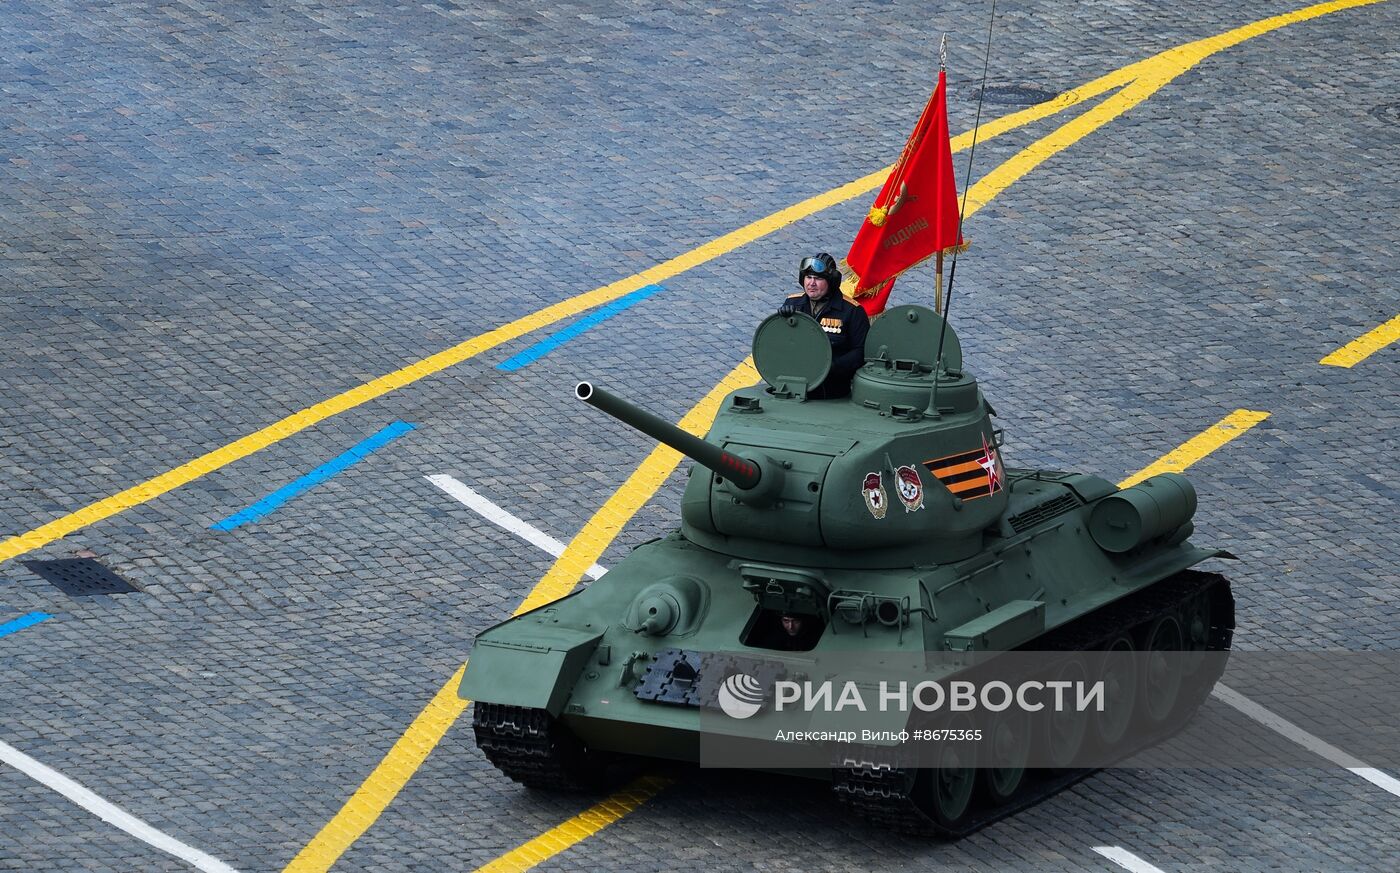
column 384, row 784
column 207, row 463
column 1146, row 78
column 585, row 548
column 312, row 415
column 1177, row 460
column 1143, row 78
column 578, row 828
column 1365, row 345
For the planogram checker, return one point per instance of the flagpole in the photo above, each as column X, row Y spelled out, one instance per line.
column 932, row 410
column 938, row 300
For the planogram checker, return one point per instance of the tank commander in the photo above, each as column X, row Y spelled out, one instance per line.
column 845, row 323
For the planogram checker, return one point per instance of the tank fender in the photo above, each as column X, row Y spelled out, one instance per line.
column 535, row 668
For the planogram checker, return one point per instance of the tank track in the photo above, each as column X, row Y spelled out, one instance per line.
column 883, row 794
column 532, row 748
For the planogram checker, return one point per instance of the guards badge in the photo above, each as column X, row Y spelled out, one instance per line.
column 873, row 490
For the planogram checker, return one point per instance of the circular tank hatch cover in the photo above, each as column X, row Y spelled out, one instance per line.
column 911, row 333
column 791, row 347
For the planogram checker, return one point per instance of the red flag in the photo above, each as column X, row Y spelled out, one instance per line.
column 916, row 213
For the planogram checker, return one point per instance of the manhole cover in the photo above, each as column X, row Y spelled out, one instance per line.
column 80, row 577
column 1014, row 95
column 1390, row 112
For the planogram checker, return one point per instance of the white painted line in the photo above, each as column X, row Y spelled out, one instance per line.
column 1313, row 744
column 493, row 513
column 1127, row 860
column 109, row 813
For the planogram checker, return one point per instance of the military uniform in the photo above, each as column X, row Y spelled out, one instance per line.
column 846, row 325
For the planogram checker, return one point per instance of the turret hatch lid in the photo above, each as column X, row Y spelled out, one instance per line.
column 911, row 332
column 788, row 347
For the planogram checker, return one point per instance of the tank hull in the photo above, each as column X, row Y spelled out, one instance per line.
column 583, row 665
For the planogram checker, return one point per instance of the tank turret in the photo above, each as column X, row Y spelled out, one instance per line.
column 907, row 470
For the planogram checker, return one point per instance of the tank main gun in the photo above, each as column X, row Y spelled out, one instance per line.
column 742, row 473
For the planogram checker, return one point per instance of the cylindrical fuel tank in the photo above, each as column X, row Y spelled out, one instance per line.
column 1123, row 521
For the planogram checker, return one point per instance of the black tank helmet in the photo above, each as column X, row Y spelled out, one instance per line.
column 823, row 265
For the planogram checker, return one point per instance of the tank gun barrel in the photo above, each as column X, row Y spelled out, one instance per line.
column 743, row 473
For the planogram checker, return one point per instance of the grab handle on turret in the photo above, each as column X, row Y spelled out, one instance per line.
column 743, row 473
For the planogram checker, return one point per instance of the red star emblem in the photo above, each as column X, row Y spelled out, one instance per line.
column 991, row 464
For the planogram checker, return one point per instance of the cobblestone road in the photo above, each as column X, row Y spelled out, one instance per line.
column 215, row 214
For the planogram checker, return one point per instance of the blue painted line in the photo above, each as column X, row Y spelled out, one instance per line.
column 24, row 621
column 549, row 344
column 314, row 478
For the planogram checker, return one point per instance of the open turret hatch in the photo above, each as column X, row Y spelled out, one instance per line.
column 906, row 339
column 792, row 354
column 901, row 354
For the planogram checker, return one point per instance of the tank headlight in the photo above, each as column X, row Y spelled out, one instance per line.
column 658, row 612
column 671, row 606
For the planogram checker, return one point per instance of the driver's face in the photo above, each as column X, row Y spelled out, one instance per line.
column 815, row 286
column 792, row 625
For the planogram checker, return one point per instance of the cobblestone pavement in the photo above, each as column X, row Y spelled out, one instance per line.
column 215, row 214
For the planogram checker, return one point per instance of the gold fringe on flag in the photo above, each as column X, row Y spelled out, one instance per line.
column 849, row 279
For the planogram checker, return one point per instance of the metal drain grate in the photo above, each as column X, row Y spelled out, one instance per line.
column 1389, row 112
column 80, row 577
column 1015, row 95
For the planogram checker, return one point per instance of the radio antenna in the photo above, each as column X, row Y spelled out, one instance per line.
column 962, row 210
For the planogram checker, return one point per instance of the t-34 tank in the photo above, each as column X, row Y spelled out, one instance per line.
column 884, row 522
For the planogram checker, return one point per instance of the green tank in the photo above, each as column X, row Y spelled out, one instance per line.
column 883, row 524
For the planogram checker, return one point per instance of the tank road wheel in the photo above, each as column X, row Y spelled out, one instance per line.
column 1196, row 631
column 949, row 786
column 1161, row 670
column 1064, row 732
column 1119, row 676
column 1010, row 747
